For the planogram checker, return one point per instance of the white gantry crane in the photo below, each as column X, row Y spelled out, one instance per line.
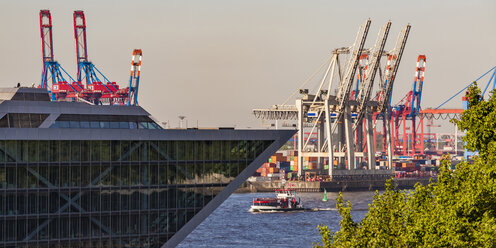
column 337, row 119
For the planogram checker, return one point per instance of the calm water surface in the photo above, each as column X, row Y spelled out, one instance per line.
column 232, row 225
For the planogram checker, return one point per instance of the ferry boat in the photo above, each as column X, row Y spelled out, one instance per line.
column 284, row 201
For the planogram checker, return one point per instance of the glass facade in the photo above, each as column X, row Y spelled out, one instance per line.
column 105, row 121
column 106, row 124
column 22, row 120
column 111, row 193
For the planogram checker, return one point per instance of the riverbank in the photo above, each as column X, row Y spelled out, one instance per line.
column 332, row 186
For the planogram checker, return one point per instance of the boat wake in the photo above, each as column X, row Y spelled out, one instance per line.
column 335, row 209
column 322, row 209
column 302, row 210
column 299, row 210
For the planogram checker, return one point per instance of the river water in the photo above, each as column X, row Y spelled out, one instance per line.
column 232, row 225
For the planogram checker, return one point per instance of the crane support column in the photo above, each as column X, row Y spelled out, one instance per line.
column 369, row 125
column 387, row 119
column 320, row 141
column 301, row 134
column 329, row 136
column 350, row 146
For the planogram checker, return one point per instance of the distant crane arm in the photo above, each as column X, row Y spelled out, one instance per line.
column 135, row 76
column 346, row 84
column 393, row 65
column 368, row 84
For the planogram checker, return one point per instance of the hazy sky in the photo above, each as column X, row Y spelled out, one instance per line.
column 213, row 61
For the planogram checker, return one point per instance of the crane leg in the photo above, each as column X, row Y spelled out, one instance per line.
column 350, row 146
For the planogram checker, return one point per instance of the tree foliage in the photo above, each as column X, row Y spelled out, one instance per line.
column 459, row 210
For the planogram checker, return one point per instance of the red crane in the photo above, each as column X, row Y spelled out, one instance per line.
column 52, row 71
column 407, row 110
column 93, row 90
column 134, row 78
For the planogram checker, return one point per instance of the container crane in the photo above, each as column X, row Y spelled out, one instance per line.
column 386, row 90
column 134, row 78
column 343, row 95
column 52, row 71
column 364, row 111
column 368, row 83
column 333, row 117
column 87, row 71
column 408, row 109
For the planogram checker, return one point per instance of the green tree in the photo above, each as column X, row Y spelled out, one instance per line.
column 459, row 210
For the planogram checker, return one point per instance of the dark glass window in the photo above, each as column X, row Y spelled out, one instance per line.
column 114, row 124
column 94, row 124
column 112, row 190
column 22, row 120
column 74, row 124
column 63, row 124
column 55, row 124
column 104, row 124
column 143, row 125
column 85, row 124
column 124, row 125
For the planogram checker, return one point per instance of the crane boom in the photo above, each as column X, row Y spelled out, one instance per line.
column 46, row 35
column 46, row 45
column 52, row 71
column 366, row 87
column 417, row 85
column 80, row 36
column 345, row 85
column 393, row 65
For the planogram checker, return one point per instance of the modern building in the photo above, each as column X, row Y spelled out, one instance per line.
column 80, row 175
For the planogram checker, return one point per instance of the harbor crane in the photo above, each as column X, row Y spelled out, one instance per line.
column 52, row 72
column 338, row 118
column 135, row 76
column 88, row 86
column 408, row 109
column 86, row 71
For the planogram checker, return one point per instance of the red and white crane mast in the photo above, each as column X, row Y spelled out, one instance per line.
column 135, row 76
column 80, row 37
column 46, row 37
column 52, row 71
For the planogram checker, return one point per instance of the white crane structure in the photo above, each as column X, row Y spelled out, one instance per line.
column 338, row 119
